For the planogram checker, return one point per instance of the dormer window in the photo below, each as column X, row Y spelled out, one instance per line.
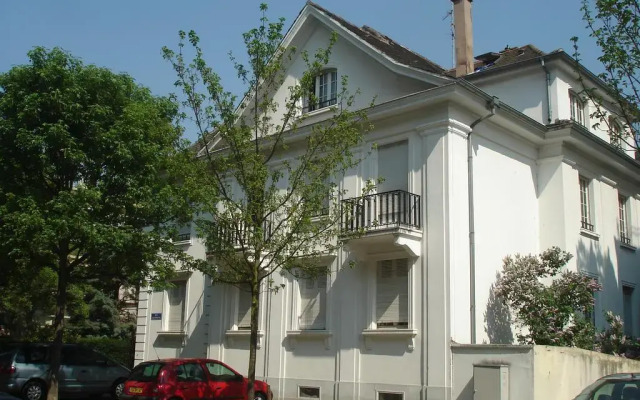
column 615, row 133
column 577, row 109
column 324, row 91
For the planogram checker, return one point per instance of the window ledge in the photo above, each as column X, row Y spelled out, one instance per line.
column 318, row 111
column 628, row 247
column 371, row 335
column 309, row 334
column 183, row 243
column 172, row 333
column 233, row 334
column 589, row 234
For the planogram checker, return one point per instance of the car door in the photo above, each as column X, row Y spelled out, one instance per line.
column 192, row 381
column 225, row 382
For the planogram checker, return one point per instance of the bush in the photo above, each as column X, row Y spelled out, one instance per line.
column 118, row 349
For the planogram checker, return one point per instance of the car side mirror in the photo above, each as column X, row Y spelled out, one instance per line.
column 238, row 378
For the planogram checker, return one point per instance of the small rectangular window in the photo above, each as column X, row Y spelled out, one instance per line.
column 176, row 298
column 577, row 109
column 623, row 227
column 243, row 321
column 615, row 133
column 323, row 92
column 390, row 396
column 308, row 392
column 585, row 204
column 392, row 294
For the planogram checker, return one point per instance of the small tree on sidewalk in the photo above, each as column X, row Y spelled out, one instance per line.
column 270, row 177
column 550, row 304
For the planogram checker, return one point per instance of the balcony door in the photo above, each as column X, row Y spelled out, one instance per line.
column 393, row 167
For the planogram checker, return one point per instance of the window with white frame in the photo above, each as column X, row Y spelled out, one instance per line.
column 615, row 133
column 392, row 294
column 390, row 396
column 577, row 109
column 312, row 314
column 623, row 220
column 586, row 221
column 243, row 308
column 323, row 92
column 176, row 299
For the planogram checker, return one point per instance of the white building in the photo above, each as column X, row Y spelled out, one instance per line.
column 499, row 161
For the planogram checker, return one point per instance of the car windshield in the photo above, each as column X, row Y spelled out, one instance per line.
column 146, row 372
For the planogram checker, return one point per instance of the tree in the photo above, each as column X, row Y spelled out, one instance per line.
column 615, row 26
column 89, row 166
column 261, row 219
column 551, row 314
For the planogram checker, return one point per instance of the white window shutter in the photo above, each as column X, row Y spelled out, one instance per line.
column 244, row 308
column 313, row 295
column 176, row 297
column 392, row 293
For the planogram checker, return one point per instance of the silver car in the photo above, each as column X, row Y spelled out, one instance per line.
column 83, row 372
column 625, row 386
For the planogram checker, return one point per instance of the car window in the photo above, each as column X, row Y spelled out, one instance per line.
column 33, row 355
column 219, row 371
column 617, row 390
column 190, row 372
column 146, row 372
column 72, row 355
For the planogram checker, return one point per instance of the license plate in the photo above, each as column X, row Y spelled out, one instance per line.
column 135, row 390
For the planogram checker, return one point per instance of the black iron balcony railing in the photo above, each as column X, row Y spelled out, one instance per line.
column 624, row 239
column 239, row 234
column 319, row 104
column 381, row 210
column 587, row 226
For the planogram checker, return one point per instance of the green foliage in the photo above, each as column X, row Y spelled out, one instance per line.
column 615, row 26
column 267, row 172
column 119, row 350
column 612, row 340
column 91, row 172
column 550, row 313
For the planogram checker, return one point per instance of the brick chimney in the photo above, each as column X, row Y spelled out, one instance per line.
column 464, row 36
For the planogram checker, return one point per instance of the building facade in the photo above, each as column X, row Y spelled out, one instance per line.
column 498, row 161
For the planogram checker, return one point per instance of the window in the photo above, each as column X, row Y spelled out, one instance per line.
column 308, row 392
column 577, row 109
column 324, row 91
column 176, row 299
column 615, row 133
column 627, row 308
column 313, row 303
column 390, row 396
column 392, row 294
column 219, row 372
column 182, row 234
column 243, row 312
column 585, row 205
column 623, row 226
column 190, row 372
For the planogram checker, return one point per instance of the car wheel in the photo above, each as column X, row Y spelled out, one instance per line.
column 117, row 389
column 34, row 390
column 260, row 396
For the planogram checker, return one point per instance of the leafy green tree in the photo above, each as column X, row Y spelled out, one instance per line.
column 265, row 212
column 615, row 26
column 550, row 313
column 89, row 166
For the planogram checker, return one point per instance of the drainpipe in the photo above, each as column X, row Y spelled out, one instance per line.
column 491, row 105
column 548, row 85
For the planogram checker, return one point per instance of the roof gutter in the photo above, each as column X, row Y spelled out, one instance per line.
column 548, row 86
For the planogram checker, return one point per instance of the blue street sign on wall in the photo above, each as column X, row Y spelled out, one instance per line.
column 156, row 316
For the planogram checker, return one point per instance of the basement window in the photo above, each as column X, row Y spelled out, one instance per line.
column 390, row 396
column 308, row 392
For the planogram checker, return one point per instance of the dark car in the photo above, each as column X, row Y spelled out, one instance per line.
column 189, row 379
column 613, row 387
column 83, row 372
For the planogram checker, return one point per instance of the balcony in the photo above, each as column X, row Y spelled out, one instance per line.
column 238, row 235
column 383, row 220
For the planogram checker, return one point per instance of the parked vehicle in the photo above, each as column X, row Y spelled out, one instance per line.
column 613, row 387
column 189, row 379
column 83, row 372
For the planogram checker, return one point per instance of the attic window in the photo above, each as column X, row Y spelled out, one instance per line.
column 324, row 91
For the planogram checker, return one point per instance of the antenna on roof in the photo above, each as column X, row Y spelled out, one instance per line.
column 449, row 15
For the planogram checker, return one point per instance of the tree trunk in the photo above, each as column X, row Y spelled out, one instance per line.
column 253, row 340
column 55, row 352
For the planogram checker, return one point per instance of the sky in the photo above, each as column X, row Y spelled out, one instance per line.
column 128, row 35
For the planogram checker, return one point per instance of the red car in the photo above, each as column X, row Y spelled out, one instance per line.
column 189, row 379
